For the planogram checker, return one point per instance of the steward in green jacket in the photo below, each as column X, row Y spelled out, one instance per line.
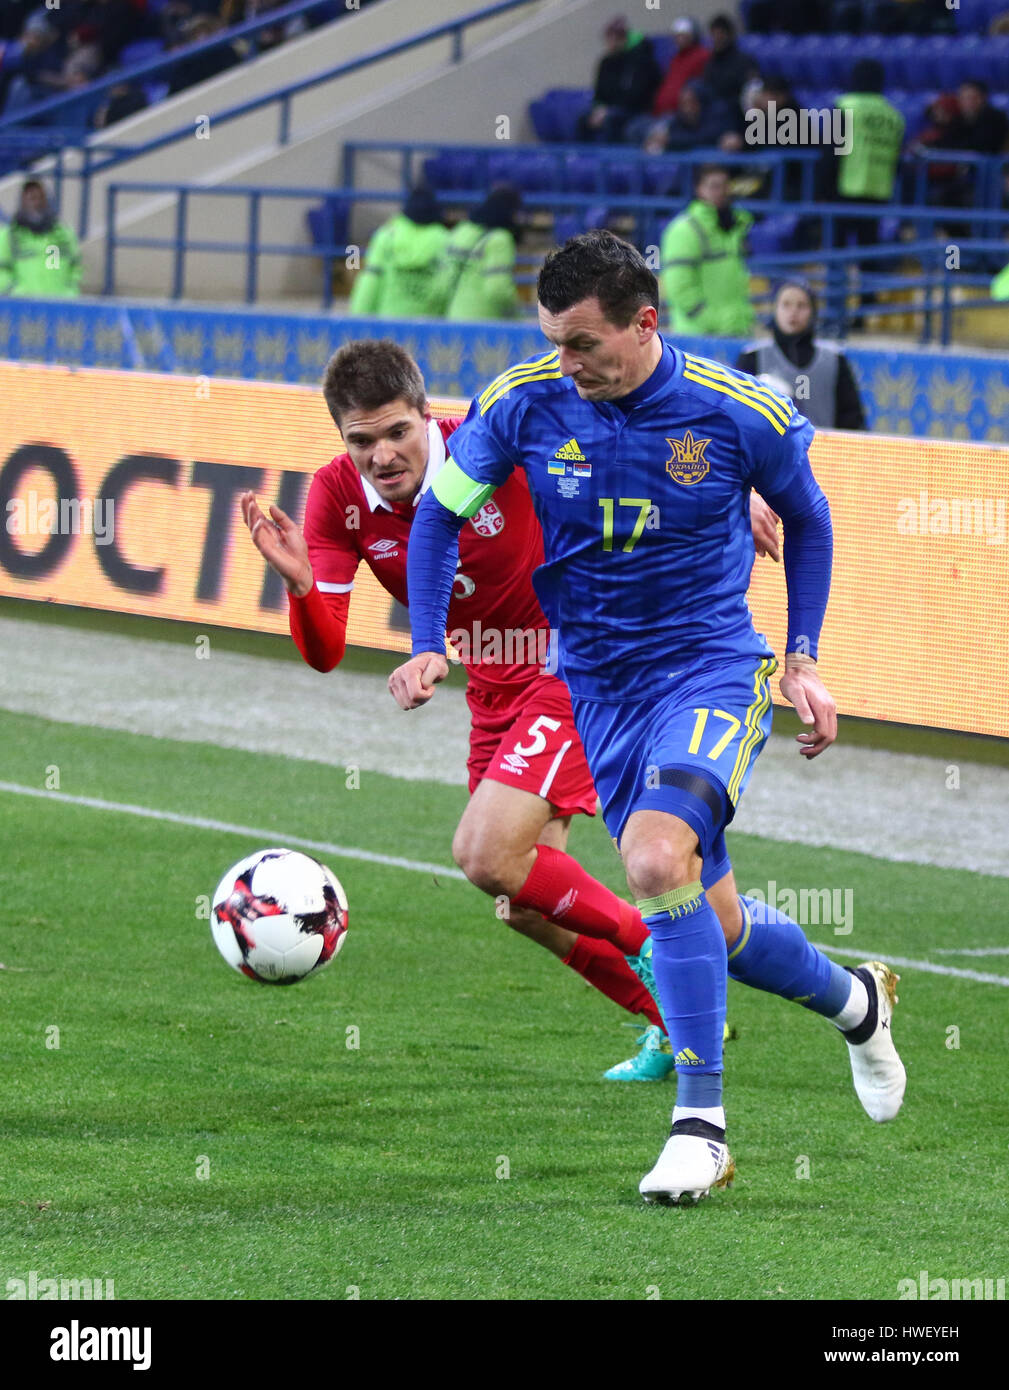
column 399, row 279
column 38, row 255
column 704, row 278
column 477, row 279
column 874, row 130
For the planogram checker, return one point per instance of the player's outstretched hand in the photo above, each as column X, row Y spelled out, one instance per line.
column 280, row 543
column 803, row 688
column 413, row 683
column 764, row 524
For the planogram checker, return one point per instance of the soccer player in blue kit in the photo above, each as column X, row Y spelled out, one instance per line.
column 640, row 459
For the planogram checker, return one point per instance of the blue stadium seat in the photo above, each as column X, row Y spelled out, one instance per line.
column 773, row 235
column 557, row 112
column 813, row 60
column 131, row 55
column 455, row 169
column 525, row 167
column 581, row 173
column 661, row 177
column 846, row 55
column 328, row 223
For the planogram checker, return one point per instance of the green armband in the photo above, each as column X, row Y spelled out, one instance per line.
column 459, row 492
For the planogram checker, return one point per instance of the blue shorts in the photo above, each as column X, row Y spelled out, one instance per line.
column 688, row 752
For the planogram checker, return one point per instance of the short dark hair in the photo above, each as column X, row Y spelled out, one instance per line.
column 977, row 84
column 33, row 183
column 597, row 264
column 703, row 170
column 369, row 374
column 722, row 21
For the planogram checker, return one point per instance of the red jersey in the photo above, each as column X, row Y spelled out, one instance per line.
column 495, row 621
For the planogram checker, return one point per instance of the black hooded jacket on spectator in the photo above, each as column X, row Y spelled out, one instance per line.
column 628, row 79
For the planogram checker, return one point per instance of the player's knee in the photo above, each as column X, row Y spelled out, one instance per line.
column 479, row 860
column 655, row 867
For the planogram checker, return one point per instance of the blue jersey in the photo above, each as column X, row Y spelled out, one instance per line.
column 644, row 506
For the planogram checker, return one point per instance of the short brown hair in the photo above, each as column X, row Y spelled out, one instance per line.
column 369, row 374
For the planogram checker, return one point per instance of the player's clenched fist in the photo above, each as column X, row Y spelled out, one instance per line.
column 413, row 683
column 280, row 543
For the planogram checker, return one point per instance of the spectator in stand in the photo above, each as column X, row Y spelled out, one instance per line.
column 695, row 126
column 704, row 276
column 27, row 63
column 118, row 23
column 728, row 69
column 978, row 125
column 201, row 67
column 934, row 135
column 38, row 254
column 815, row 375
column 866, row 174
column 477, row 278
column 82, row 64
column 125, row 99
column 405, row 255
column 627, row 79
column 687, row 65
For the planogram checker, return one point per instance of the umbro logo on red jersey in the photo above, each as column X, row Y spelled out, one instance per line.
column 384, row 548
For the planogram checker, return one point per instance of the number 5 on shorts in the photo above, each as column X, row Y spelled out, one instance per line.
column 538, row 736
column 719, row 748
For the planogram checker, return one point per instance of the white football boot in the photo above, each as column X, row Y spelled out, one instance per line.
column 695, row 1159
column 876, row 1069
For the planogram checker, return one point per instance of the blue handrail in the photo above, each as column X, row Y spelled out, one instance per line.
column 834, row 261
column 161, row 66
column 283, row 95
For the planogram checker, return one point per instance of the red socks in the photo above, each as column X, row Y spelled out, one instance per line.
column 604, row 966
column 559, row 889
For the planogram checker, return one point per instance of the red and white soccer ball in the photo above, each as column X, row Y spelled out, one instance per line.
column 278, row 916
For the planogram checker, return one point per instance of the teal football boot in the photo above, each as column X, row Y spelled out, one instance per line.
column 653, row 1062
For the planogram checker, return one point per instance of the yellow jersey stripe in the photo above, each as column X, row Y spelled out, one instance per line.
column 521, row 381
column 522, row 368
column 755, row 713
column 702, row 364
column 783, row 410
column 738, row 396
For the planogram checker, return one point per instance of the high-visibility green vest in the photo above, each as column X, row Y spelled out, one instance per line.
column 478, row 273
column 704, row 278
column 399, row 279
column 39, row 264
column 874, row 131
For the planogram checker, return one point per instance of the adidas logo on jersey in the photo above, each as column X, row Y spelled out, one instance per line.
column 570, row 450
column 384, row 548
column 687, row 1058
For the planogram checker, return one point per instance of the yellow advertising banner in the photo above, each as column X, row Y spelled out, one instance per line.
column 916, row 631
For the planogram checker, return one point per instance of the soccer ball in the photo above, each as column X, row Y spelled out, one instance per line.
column 278, row 916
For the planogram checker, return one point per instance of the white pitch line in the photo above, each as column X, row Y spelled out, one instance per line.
column 926, row 965
column 367, row 856
column 971, row 951
column 266, row 837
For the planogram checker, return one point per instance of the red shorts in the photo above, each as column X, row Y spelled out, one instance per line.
column 528, row 740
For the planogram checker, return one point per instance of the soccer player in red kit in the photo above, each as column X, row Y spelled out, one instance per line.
column 527, row 770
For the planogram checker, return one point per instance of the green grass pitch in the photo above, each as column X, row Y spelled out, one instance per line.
column 380, row 1169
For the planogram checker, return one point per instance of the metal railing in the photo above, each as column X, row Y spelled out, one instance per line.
column 282, row 97
column 85, row 100
column 846, row 273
